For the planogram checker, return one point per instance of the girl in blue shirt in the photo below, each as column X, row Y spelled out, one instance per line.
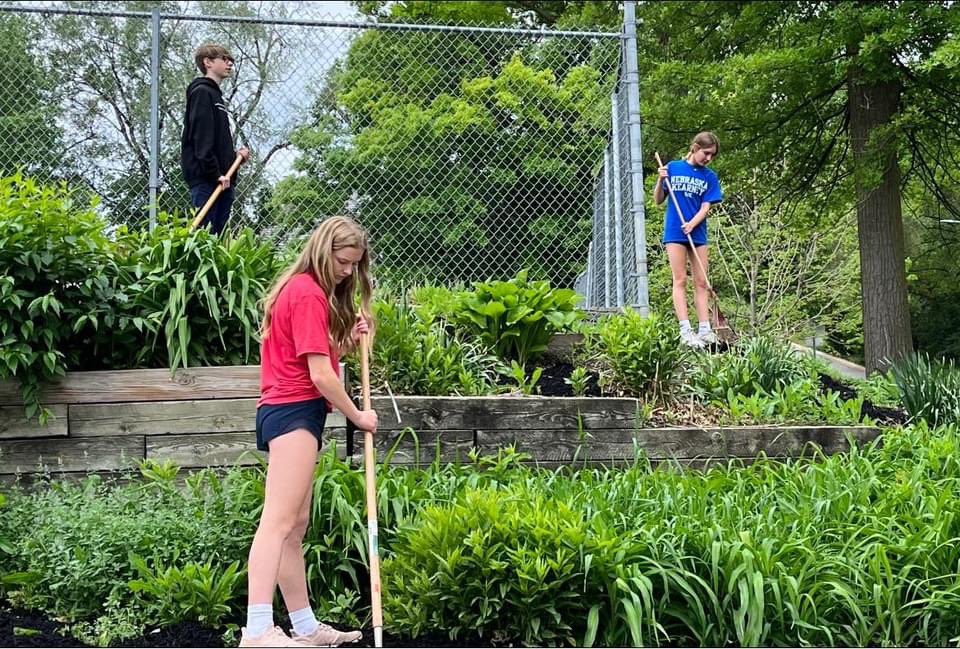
column 696, row 189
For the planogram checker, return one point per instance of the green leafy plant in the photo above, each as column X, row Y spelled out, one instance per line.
column 58, row 297
column 578, row 380
column 526, row 385
column 929, row 388
column 644, row 355
column 197, row 295
column 516, row 318
column 200, row 592
column 429, row 358
column 757, row 364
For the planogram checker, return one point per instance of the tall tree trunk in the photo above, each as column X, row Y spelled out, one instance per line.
column 886, row 312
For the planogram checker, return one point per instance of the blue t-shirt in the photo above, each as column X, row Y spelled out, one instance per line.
column 692, row 186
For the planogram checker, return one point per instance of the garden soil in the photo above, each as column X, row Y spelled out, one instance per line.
column 20, row 628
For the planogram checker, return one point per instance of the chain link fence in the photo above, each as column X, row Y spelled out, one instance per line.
column 469, row 153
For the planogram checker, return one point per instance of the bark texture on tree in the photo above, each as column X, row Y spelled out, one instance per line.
column 886, row 311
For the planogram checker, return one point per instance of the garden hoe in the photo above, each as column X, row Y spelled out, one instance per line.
column 216, row 192
column 370, row 469
column 720, row 325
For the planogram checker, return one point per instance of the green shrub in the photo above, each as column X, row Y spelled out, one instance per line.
column 516, row 318
column 507, row 564
column 59, row 302
column 422, row 357
column 929, row 388
column 644, row 355
column 198, row 295
column 77, row 537
column 751, row 366
column 196, row 592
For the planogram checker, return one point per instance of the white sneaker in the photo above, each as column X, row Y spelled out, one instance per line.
column 708, row 337
column 687, row 337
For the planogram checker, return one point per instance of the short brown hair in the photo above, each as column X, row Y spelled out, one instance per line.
column 210, row 51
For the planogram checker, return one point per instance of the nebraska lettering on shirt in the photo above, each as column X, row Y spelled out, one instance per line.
column 689, row 185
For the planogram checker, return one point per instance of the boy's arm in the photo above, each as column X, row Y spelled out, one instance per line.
column 203, row 127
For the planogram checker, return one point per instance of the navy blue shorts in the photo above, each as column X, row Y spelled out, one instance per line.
column 274, row 420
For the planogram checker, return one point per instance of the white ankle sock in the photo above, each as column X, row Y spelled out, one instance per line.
column 259, row 619
column 704, row 327
column 304, row 621
column 684, row 326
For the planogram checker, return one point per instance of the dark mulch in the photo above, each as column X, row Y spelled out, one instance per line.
column 552, row 383
column 888, row 416
column 21, row 628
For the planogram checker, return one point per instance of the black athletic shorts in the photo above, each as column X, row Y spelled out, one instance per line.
column 274, row 420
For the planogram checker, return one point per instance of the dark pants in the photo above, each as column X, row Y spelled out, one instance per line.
column 219, row 212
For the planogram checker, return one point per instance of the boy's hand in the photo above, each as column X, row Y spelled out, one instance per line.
column 244, row 152
column 224, row 181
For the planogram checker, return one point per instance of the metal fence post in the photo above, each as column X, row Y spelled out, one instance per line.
column 607, row 226
column 631, row 79
column 154, row 114
column 617, row 198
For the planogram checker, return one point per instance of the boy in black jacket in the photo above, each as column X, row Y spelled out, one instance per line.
column 206, row 146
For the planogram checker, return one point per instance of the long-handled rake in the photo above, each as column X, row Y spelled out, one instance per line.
column 721, row 327
column 198, row 219
column 370, row 471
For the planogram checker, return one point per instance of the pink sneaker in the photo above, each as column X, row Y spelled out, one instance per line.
column 272, row 637
column 326, row 636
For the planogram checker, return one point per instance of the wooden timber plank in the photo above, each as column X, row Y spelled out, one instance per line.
column 65, row 454
column 220, row 449
column 505, row 413
column 115, row 386
column 228, row 382
column 674, row 443
column 14, row 423
column 417, row 448
column 170, row 417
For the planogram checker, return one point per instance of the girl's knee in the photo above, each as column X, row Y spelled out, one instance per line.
column 680, row 282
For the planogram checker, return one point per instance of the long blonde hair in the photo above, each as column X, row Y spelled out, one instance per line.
column 316, row 258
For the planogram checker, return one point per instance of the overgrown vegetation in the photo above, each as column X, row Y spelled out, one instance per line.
column 852, row 549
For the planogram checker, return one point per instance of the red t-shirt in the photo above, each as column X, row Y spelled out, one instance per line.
column 299, row 325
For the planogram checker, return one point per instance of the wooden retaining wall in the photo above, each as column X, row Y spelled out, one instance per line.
column 107, row 421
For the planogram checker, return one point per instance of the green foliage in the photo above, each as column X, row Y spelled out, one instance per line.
column 58, row 299
column 578, row 381
column 498, row 563
column 752, row 365
column 77, row 537
column 200, row 592
column 29, row 128
column 452, row 142
column 526, row 385
column 197, row 294
column 418, row 356
column 644, row 355
column 516, row 318
column 850, row 549
column 929, row 388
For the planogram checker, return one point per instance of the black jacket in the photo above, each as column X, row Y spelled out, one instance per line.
column 206, row 146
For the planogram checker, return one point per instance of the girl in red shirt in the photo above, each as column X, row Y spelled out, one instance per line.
column 309, row 318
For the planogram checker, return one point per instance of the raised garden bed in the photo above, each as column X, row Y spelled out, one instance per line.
column 106, row 421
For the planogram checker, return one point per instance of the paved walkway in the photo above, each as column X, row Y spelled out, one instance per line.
column 842, row 366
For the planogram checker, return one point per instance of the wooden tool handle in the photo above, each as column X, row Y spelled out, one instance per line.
column 216, row 192
column 370, row 468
